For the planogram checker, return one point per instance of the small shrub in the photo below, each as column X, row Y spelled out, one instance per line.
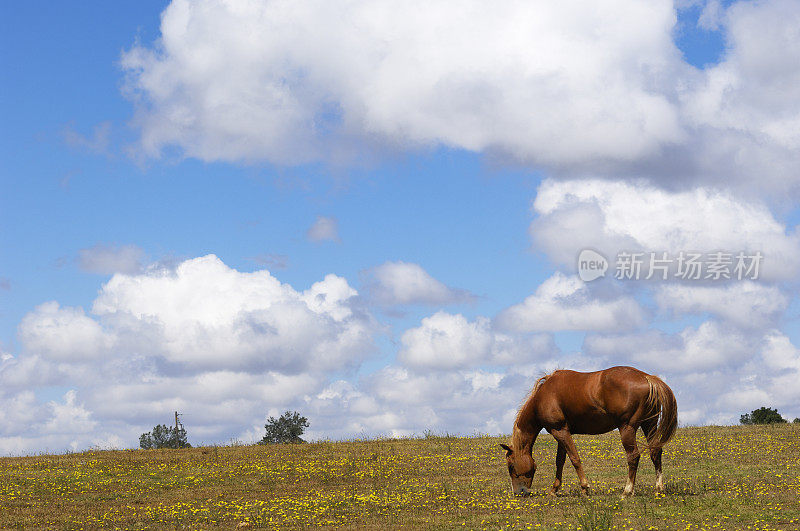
column 286, row 429
column 762, row 415
column 164, row 437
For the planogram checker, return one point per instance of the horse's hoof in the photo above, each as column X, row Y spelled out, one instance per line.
column 552, row 492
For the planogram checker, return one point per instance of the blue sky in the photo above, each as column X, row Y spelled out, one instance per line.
column 128, row 149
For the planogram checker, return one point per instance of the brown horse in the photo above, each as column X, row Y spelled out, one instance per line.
column 569, row 402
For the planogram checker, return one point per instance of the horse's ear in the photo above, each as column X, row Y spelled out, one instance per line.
column 507, row 449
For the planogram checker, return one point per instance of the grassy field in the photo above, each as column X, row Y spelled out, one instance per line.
column 744, row 477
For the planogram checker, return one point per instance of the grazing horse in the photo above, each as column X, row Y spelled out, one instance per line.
column 569, row 402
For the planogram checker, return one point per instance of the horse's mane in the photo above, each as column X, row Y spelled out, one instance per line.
column 517, row 433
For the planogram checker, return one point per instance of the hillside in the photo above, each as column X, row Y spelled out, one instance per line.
column 717, row 477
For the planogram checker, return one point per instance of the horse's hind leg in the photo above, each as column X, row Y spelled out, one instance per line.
column 628, row 435
column 649, row 428
column 564, row 439
column 561, row 456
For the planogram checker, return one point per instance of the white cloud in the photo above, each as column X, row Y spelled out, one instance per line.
column 221, row 346
column 579, row 90
column 743, row 112
column 780, row 353
column 616, row 216
column 711, row 16
column 18, row 410
column 447, row 341
column 64, row 334
column 69, row 417
column 110, row 259
column 398, row 402
column 566, row 303
column 55, row 426
column 324, row 229
column 744, row 304
column 213, row 402
column 754, row 90
column 452, row 374
column 557, row 83
column 708, row 347
column 406, row 283
column 206, row 315
column 769, row 379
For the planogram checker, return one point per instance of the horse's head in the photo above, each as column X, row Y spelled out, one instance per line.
column 521, row 468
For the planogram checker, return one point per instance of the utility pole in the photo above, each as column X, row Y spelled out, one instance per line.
column 177, row 438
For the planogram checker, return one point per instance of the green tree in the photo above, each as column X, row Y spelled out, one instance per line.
column 762, row 415
column 286, row 429
column 164, row 437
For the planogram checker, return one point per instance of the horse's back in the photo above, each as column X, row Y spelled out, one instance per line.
column 591, row 402
column 624, row 390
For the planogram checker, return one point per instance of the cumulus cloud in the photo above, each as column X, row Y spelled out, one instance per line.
column 711, row 16
column 323, row 229
column 566, row 303
column 227, row 348
column 57, row 425
column 744, row 304
column 704, row 361
column 109, row 259
column 447, row 341
column 204, row 314
column 398, row 402
column 204, row 339
column 709, row 346
column 744, row 108
column 69, row 417
column 221, row 346
column 557, row 83
column 406, row 283
column 218, row 402
column 64, row 334
column 616, row 216
column 769, row 379
column 579, row 90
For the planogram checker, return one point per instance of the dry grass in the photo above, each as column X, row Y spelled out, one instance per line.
column 716, row 477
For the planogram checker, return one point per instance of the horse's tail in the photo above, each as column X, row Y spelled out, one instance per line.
column 661, row 402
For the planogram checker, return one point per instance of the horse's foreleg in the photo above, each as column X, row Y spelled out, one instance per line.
column 628, row 435
column 564, row 439
column 561, row 456
column 649, row 429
